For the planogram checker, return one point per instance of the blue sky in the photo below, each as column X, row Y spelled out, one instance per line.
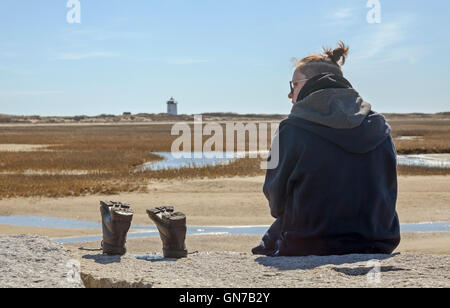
column 215, row 56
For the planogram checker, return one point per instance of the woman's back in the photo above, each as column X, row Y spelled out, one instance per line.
column 338, row 201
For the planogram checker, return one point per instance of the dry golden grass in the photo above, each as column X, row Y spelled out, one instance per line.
column 98, row 160
column 108, row 149
column 416, row 170
column 435, row 136
column 20, row 185
column 12, row 186
column 111, row 154
column 151, row 138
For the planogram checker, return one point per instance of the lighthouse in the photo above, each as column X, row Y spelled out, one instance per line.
column 172, row 107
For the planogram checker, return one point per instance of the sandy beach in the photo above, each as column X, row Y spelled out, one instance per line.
column 226, row 201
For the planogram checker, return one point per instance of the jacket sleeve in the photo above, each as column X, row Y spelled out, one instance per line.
column 276, row 185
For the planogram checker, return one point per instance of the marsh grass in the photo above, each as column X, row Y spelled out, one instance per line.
column 419, row 170
column 109, row 153
column 113, row 153
column 435, row 136
column 21, row 185
column 12, row 186
column 98, row 160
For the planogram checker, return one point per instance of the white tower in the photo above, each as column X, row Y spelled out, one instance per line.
column 172, row 107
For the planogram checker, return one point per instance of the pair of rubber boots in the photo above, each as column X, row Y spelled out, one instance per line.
column 116, row 222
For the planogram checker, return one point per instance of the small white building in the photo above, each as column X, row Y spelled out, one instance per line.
column 172, row 106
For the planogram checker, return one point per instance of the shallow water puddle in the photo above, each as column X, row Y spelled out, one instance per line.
column 151, row 231
column 425, row 160
column 24, row 147
column 199, row 160
column 408, row 138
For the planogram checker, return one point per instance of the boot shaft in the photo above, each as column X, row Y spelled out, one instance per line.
column 116, row 222
column 172, row 229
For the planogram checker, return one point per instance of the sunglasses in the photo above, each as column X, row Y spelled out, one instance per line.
column 293, row 84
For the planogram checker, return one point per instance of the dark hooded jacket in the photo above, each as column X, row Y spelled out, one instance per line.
column 334, row 190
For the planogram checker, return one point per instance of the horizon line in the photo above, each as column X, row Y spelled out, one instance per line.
column 204, row 113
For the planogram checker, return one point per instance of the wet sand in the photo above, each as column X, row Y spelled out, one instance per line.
column 49, row 232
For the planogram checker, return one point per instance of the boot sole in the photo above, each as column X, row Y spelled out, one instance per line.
column 122, row 216
column 175, row 254
column 174, row 222
column 167, row 208
column 113, row 250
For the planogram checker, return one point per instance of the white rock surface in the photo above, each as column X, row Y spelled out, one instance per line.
column 227, row 269
column 36, row 262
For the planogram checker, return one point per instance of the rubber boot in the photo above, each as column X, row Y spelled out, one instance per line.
column 116, row 221
column 172, row 230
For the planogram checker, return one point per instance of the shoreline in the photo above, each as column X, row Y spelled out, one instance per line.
column 237, row 201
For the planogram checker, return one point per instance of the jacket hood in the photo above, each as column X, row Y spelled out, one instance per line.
column 330, row 100
column 328, row 106
column 362, row 139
